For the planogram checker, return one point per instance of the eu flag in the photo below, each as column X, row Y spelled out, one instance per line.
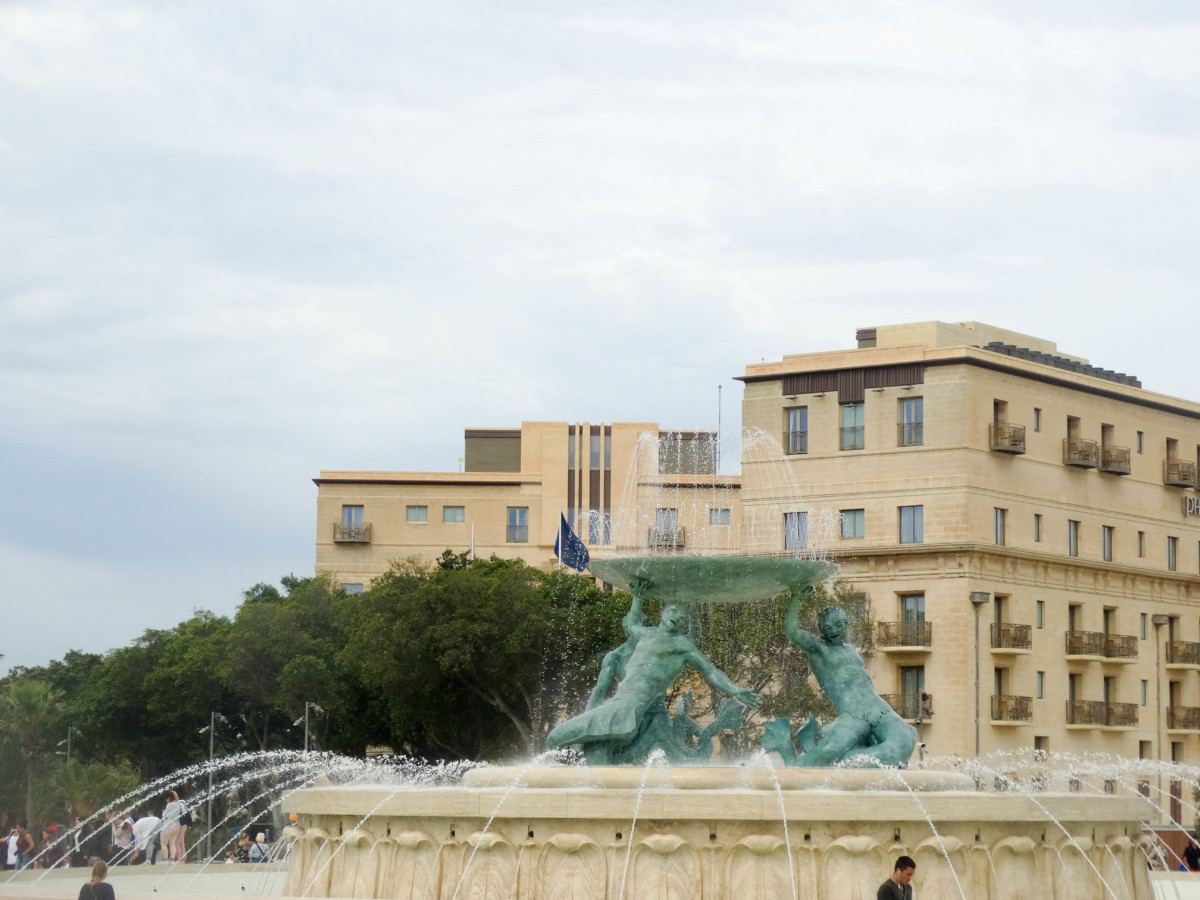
column 569, row 548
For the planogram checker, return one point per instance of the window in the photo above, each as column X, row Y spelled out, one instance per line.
column 1172, row 553
column 795, row 530
column 1041, row 613
column 1037, row 419
column 1072, row 537
column 1141, row 544
column 853, row 523
column 795, row 438
column 1145, row 690
column 594, row 452
column 912, row 685
column 912, row 524
column 852, row 426
column 417, row 513
column 912, row 608
column 1106, row 542
column 666, row 523
column 1037, row 527
column 1041, row 685
column 1143, row 619
column 912, row 422
column 1139, row 442
column 352, row 516
column 352, row 588
column 720, row 516
column 594, row 526
column 518, row 525
column 454, row 513
column 999, row 517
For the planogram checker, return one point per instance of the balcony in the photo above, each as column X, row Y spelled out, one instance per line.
column 795, row 442
column 1008, row 636
column 351, row 534
column 1007, row 708
column 1183, row 654
column 1098, row 714
column 1183, row 718
column 1121, row 647
column 897, row 636
column 1081, row 452
column 1114, row 460
column 909, row 706
column 1006, row 438
column 910, row 434
column 1085, row 643
column 667, row 538
column 852, row 437
column 1179, row 472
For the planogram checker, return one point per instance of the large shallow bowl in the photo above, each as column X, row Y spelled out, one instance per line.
column 711, row 579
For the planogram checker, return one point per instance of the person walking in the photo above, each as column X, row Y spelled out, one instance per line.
column 25, row 844
column 11, row 859
column 174, row 829
column 96, row 888
column 899, row 886
column 260, row 851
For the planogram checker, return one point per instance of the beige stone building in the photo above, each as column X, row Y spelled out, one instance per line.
column 624, row 487
column 1021, row 521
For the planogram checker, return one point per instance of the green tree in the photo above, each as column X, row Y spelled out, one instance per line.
column 31, row 714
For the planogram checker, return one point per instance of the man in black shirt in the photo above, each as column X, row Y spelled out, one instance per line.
column 898, row 887
column 1191, row 856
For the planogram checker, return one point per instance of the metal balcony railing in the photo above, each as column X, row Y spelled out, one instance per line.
column 1081, row 452
column 1010, row 636
column 909, row 706
column 1114, row 460
column 351, row 534
column 1006, row 438
column 1086, row 712
column 905, row 634
column 852, row 437
column 1121, row 715
column 668, row 538
column 910, row 434
column 1121, row 646
column 1085, row 643
column 1183, row 653
column 1183, row 718
column 1008, row 708
column 1179, row 472
column 795, row 442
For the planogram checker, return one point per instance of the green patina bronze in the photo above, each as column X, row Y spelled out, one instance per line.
column 711, row 579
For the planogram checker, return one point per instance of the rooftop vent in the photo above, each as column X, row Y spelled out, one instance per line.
column 1059, row 362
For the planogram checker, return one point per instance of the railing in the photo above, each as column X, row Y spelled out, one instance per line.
column 1179, row 472
column 1114, row 460
column 1086, row 712
column 1183, row 718
column 518, row 534
column 1085, row 643
column 668, row 538
column 1006, row 438
column 905, row 634
column 351, row 534
column 1081, row 452
column 1183, row 653
column 1010, row 636
column 1121, row 646
column 1121, row 715
column 1008, row 708
column 910, row 434
column 795, row 441
column 852, row 437
column 909, row 706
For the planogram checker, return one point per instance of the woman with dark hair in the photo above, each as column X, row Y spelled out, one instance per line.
column 96, row 889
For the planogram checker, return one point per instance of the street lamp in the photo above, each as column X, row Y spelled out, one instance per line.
column 71, row 729
column 978, row 598
column 1159, row 621
column 211, row 728
column 308, row 704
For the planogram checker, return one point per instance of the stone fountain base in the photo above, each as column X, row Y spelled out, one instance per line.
column 714, row 833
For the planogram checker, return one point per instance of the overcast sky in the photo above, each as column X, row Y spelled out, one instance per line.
column 241, row 242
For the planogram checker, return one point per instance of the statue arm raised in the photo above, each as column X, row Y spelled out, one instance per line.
column 791, row 626
column 632, row 623
column 720, row 680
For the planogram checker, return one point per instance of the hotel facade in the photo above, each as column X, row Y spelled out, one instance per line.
column 1025, row 525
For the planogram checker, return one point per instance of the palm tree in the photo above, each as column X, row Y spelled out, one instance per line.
column 29, row 710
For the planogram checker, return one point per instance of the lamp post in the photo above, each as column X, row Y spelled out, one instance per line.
column 71, row 729
column 308, row 704
column 1159, row 621
column 211, row 728
column 978, row 598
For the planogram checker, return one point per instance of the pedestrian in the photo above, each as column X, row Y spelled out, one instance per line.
column 899, row 886
column 10, row 848
column 1191, row 855
column 24, row 845
column 145, row 832
column 241, row 853
column 96, row 889
column 174, row 829
column 260, row 851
